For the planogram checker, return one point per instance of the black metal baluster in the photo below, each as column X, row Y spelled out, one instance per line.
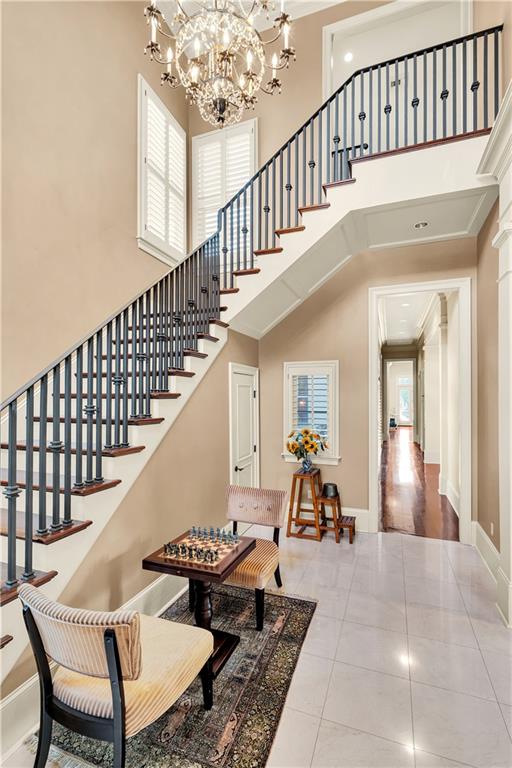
column 415, row 100
column 99, row 407
column 304, row 166
column 244, row 229
column 67, row 442
column 425, row 98
column 281, row 188
column 320, row 158
column 137, row 326
column 370, row 112
column 259, row 209
column 79, row 483
column 379, row 108
column 153, row 329
column 126, row 379
column 109, row 395
column 231, row 251
column 486, row 81
column 89, row 413
column 118, row 380
column 266, row 207
column 146, row 388
column 160, row 337
column 227, row 283
column 353, row 118
column 28, row 570
column 238, row 232
column 464, row 88
column 288, row 184
column 11, row 493
column 43, row 446
column 273, row 205
column 362, row 115
column 434, row 94
column 311, row 162
column 496, row 72
column 344, row 157
column 444, row 92
column 387, row 108
column 296, row 194
column 336, row 138
column 328, row 143
column 397, row 107
column 138, row 345
column 406, row 102
column 454, row 90
column 251, row 227
column 55, row 448
column 475, row 84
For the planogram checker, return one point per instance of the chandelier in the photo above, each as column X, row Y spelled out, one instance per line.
column 214, row 51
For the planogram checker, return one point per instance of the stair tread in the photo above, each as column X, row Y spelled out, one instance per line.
column 263, row 251
column 109, row 452
column 220, row 323
column 317, row 207
column 229, row 290
column 208, row 337
column 290, row 230
column 339, row 183
column 243, row 272
column 11, row 593
column 134, row 421
column 5, row 639
column 41, row 538
column 86, row 490
column 181, row 372
column 194, row 353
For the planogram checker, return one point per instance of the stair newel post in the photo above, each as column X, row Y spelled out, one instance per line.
column 336, row 138
column 464, row 87
column 406, row 100
column 455, row 105
column 126, row 378
column 296, row 195
column 55, row 448
column 397, row 106
column 137, row 326
column 344, row 156
column 99, row 408
column 89, row 411
column 79, row 419
column 28, row 570
column 273, row 204
column 320, row 157
column 444, row 92
column 244, row 227
column 251, row 226
column 288, row 186
column 311, row 162
column 328, row 143
column 67, row 441
column 118, row 380
column 379, row 108
column 496, row 64
column 108, row 388
column 434, row 94
column 11, row 493
column 146, row 332
column 485, row 77
column 281, row 188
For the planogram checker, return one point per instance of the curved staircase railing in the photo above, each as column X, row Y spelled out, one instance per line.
column 80, row 408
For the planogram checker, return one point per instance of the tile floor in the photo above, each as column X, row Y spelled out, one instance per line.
column 406, row 664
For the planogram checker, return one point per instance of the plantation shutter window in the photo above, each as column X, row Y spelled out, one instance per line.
column 222, row 162
column 162, row 179
column 311, row 401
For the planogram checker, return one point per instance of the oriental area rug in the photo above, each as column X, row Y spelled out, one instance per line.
column 249, row 695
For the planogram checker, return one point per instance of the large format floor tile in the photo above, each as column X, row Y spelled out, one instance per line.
column 373, row 648
column 295, row 740
column 309, row 684
column 460, row 727
column 440, row 624
column 440, row 594
column 370, row 701
column 340, row 747
column 492, row 636
column 322, row 637
column 364, row 608
column 499, row 666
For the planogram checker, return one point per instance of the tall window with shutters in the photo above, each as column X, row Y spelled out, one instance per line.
column 222, row 162
column 311, row 398
column 162, row 179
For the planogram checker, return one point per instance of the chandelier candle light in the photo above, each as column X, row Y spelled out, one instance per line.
column 218, row 56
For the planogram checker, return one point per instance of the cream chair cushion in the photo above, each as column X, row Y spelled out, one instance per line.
column 172, row 656
column 258, row 568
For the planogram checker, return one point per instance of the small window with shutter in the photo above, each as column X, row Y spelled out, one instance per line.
column 311, row 397
column 222, row 162
column 162, row 179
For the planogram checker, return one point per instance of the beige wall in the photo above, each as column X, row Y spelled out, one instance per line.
column 487, row 340
column 183, row 484
column 333, row 324
column 279, row 116
column 69, row 111
column 489, row 13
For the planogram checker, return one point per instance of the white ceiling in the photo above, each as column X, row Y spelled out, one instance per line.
column 401, row 317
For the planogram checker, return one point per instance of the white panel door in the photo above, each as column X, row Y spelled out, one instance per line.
column 244, row 420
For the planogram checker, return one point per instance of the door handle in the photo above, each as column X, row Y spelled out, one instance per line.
column 239, row 469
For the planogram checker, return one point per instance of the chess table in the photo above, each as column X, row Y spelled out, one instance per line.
column 202, row 575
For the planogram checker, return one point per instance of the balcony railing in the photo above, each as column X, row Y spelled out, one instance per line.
column 79, row 409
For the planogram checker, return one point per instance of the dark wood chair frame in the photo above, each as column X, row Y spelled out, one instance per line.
column 104, row 729
column 259, row 593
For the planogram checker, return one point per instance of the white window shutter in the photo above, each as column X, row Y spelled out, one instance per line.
column 162, row 179
column 222, row 162
column 310, row 403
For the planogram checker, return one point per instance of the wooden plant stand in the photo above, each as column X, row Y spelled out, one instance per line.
column 313, row 479
column 334, row 503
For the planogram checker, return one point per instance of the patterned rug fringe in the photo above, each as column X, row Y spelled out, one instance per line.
column 57, row 757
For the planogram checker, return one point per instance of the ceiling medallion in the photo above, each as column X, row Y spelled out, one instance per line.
column 217, row 55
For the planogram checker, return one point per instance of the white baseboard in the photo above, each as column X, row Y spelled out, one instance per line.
column 431, row 457
column 486, row 549
column 19, row 712
column 453, row 497
column 442, row 485
column 504, row 596
column 362, row 515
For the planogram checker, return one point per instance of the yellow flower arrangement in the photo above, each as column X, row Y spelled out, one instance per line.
column 304, row 444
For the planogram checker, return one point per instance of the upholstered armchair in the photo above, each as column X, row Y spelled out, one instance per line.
column 117, row 672
column 264, row 507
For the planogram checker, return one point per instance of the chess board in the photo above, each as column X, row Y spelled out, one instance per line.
column 201, row 552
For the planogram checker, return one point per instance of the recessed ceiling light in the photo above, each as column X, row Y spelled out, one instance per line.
column 421, row 225
column 348, row 56
column 406, row 305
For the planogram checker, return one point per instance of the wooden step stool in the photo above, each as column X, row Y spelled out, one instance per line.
column 347, row 521
column 335, row 504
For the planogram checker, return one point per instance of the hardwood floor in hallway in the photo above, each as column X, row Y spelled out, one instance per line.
column 410, row 501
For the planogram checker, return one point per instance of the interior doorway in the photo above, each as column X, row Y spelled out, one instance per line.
column 420, row 414
column 244, row 425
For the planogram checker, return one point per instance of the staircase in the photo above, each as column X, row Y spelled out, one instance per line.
column 87, row 424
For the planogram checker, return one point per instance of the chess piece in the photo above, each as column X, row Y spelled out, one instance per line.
column 212, row 534
column 193, row 532
column 190, row 551
column 218, row 534
column 216, row 554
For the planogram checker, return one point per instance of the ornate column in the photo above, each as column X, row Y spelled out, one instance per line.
column 497, row 161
